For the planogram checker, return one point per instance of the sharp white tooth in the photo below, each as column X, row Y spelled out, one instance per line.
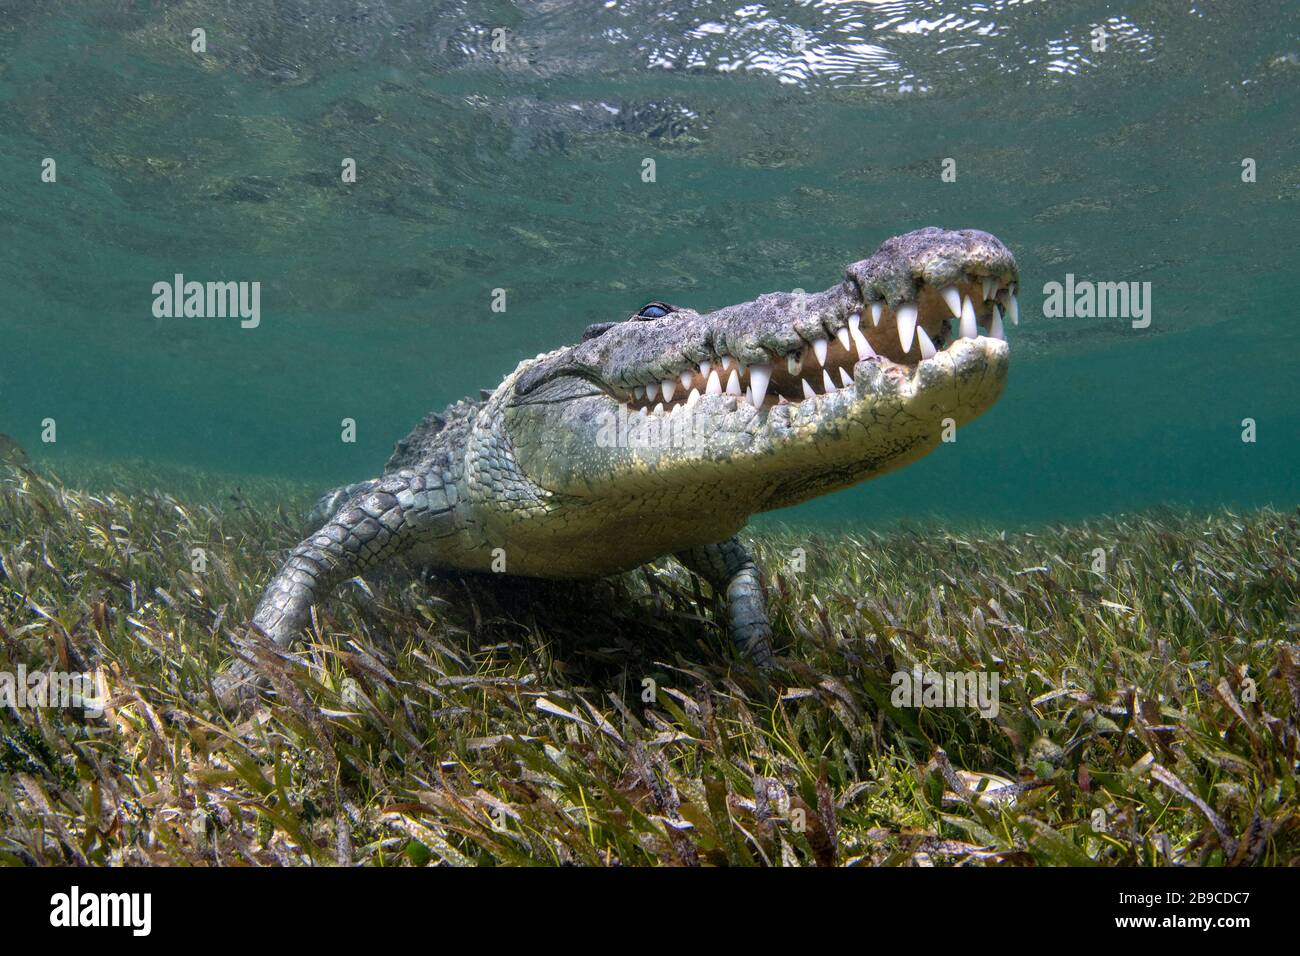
column 819, row 349
column 727, row 362
column 794, row 362
column 733, row 383
column 669, row 388
column 863, row 346
column 686, row 379
column 705, row 366
column 877, row 308
column 969, row 328
column 855, row 320
column 638, row 393
column 659, row 408
column 692, row 398
column 807, row 389
column 927, row 347
column 845, row 339
column 1013, row 308
column 995, row 326
column 652, row 391
column 782, row 400
column 906, row 326
column 952, row 296
column 713, row 386
column 990, row 287
column 827, row 385
column 759, row 376
column 845, row 378
column 643, row 413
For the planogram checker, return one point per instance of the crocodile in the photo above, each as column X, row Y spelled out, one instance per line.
column 661, row 434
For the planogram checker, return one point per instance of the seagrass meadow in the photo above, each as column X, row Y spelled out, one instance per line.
column 1149, row 712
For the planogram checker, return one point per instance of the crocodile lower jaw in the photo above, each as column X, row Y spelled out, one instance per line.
column 883, row 401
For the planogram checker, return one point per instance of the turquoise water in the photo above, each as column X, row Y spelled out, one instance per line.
column 789, row 141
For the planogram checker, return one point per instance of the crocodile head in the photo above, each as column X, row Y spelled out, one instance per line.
column 681, row 424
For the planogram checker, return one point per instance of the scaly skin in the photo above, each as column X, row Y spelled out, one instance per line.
column 566, row 470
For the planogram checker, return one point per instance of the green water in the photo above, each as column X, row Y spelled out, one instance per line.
column 789, row 141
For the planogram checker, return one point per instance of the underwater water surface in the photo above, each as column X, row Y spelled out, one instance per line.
column 501, row 146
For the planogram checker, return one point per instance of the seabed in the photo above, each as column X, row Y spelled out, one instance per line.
column 1147, row 710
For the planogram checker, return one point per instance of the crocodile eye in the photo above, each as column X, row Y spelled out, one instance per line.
column 655, row 310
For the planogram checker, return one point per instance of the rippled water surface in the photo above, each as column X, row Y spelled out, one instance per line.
column 789, row 141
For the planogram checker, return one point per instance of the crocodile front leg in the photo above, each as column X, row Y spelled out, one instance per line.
column 377, row 523
column 331, row 502
column 730, row 569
